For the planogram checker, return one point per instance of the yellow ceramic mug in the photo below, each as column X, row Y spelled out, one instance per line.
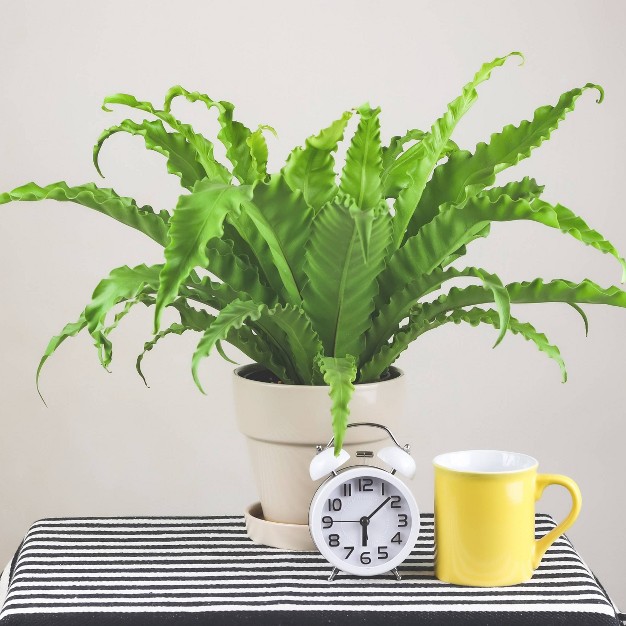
column 485, row 517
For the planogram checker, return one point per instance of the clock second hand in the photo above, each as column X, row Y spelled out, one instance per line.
column 358, row 521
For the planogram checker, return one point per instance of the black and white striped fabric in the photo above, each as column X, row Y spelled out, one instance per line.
column 205, row 570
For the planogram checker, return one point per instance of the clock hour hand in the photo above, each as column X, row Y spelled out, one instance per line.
column 364, row 521
column 380, row 506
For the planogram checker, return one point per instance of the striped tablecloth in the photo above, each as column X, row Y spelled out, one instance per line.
column 205, row 570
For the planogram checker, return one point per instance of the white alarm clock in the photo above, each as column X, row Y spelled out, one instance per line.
column 364, row 519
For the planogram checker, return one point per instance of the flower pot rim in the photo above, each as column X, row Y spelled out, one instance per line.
column 241, row 371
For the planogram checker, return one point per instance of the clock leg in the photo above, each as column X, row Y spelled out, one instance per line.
column 396, row 573
column 333, row 574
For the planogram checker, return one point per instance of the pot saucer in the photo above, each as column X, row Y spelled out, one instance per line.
column 275, row 534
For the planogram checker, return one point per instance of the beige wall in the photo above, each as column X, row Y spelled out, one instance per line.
column 107, row 445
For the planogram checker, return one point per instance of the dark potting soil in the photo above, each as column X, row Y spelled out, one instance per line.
column 265, row 376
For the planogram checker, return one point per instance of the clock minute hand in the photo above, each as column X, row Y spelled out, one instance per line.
column 380, row 506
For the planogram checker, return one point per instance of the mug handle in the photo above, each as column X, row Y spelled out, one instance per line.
column 543, row 481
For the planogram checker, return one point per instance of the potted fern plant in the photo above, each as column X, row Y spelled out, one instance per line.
column 324, row 279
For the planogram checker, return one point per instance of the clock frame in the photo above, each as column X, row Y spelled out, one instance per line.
column 408, row 507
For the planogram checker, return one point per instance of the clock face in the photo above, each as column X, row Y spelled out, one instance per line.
column 364, row 520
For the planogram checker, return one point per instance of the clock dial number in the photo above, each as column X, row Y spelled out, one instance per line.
column 347, row 490
column 365, row 484
column 334, row 504
column 382, row 553
column 366, row 559
column 333, row 540
column 350, row 550
column 395, row 502
column 402, row 520
column 327, row 520
column 396, row 539
column 382, row 487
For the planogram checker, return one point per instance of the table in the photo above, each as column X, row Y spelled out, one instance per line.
column 205, row 570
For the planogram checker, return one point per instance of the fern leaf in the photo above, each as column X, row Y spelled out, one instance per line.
column 385, row 324
column 237, row 272
column 536, row 291
column 396, row 146
column 258, row 151
column 418, row 325
column 304, row 343
column 242, row 249
column 361, row 174
column 311, row 169
column 582, row 314
column 204, row 149
column 400, row 174
column 126, row 99
column 190, row 319
column 103, row 343
column 462, row 251
column 244, row 339
column 233, row 135
column 364, row 222
column 198, row 218
column 301, row 340
column 411, row 171
column 474, row 317
column 123, row 284
column 291, row 322
column 283, row 219
column 174, row 329
column 146, row 299
column 525, row 189
column 585, row 292
column 232, row 317
column 340, row 374
column 465, row 173
column 340, row 308
column 261, row 254
column 260, row 351
column 181, row 157
column 69, row 330
column 206, row 291
column 455, row 226
column 105, row 201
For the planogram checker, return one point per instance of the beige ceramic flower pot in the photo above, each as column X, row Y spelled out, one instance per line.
column 283, row 424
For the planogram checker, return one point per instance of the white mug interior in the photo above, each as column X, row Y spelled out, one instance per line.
column 485, row 461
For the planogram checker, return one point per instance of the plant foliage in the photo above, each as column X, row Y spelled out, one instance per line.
column 326, row 277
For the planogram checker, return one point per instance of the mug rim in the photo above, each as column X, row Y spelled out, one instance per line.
column 529, row 462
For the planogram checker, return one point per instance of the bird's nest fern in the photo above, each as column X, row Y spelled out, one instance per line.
column 326, row 278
